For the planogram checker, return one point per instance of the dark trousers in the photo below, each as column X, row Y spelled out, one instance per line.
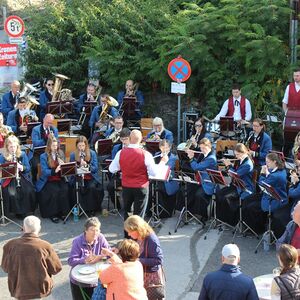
column 77, row 293
column 137, row 196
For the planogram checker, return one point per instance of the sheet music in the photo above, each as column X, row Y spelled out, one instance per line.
column 162, row 173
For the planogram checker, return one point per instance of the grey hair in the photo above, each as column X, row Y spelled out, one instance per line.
column 32, row 224
column 92, row 222
column 157, row 121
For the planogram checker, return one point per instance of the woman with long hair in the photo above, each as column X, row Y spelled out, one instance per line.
column 151, row 255
column 18, row 193
column 287, row 285
column 52, row 189
column 91, row 192
column 296, row 149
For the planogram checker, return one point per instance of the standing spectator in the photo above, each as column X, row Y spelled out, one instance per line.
column 30, row 263
column 286, row 286
column 125, row 275
column 151, row 255
column 86, row 249
column 228, row 282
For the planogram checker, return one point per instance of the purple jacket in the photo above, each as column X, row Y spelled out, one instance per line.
column 154, row 257
column 80, row 250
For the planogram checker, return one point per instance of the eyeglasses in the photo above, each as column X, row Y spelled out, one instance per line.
column 198, row 125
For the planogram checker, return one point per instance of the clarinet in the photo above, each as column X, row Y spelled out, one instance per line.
column 82, row 157
column 14, row 159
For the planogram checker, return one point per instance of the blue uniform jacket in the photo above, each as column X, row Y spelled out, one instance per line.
column 115, row 150
column 6, row 105
column 93, row 165
column 208, row 162
column 172, row 186
column 24, row 161
column 44, row 99
column 166, row 134
column 12, row 120
column 278, row 181
column 245, row 172
column 264, row 149
column 97, row 111
column 294, row 192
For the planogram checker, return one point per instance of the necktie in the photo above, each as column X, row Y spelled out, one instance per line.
column 236, row 103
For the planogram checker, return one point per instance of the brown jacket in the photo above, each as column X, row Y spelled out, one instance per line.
column 30, row 262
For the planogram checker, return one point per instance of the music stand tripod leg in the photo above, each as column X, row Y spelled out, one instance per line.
column 77, row 204
column 115, row 210
column 154, row 219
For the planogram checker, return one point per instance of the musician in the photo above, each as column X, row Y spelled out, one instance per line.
column 296, row 150
column 227, row 198
column 167, row 190
column 45, row 97
column 291, row 99
column 115, row 180
column 259, row 142
column 89, row 96
column 91, row 192
column 136, row 165
column 18, row 193
column 294, row 190
column 39, row 137
column 52, row 189
column 200, row 195
column 236, row 106
column 255, row 207
column 130, row 91
column 199, row 132
column 10, row 98
column 4, row 131
column 18, row 118
column 96, row 123
column 159, row 132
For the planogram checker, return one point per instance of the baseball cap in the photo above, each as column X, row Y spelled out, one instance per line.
column 230, row 250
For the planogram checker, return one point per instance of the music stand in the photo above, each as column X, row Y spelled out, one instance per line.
column 89, row 106
column 128, row 107
column 39, row 150
column 30, row 126
column 152, row 146
column 156, row 208
column 70, row 169
column 59, row 108
column 226, row 125
column 104, row 147
column 185, row 215
column 270, row 191
column 240, row 184
column 64, row 125
column 216, row 177
column 7, row 170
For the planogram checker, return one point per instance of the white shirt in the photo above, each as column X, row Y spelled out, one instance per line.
column 152, row 168
column 237, row 111
column 286, row 93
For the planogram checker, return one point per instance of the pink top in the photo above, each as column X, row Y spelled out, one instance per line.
column 125, row 281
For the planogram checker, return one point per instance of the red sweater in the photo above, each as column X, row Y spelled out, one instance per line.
column 134, row 170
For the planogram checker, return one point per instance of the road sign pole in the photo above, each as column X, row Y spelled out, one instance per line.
column 178, row 118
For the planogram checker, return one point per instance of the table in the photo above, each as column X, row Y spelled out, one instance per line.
column 91, row 279
column 263, row 286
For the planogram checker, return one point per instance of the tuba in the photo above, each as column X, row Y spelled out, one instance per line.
column 111, row 102
column 58, row 92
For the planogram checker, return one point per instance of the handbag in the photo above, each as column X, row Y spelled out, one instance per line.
column 99, row 292
column 155, row 290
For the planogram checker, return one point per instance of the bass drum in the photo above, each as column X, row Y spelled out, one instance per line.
column 291, row 126
column 213, row 128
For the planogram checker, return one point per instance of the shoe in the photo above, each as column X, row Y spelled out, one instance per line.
column 54, row 220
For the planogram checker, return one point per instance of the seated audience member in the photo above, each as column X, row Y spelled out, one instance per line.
column 159, row 132
column 228, row 282
column 86, row 249
column 91, row 191
column 30, row 263
column 167, row 190
column 115, row 180
column 45, row 97
column 52, row 189
column 124, row 278
column 10, row 98
column 286, row 285
column 236, row 106
column 18, row 193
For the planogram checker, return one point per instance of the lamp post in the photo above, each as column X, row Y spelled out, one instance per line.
column 294, row 4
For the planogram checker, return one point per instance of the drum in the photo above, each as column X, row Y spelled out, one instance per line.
column 213, row 128
column 291, row 126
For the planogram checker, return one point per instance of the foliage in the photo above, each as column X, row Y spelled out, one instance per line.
column 225, row 41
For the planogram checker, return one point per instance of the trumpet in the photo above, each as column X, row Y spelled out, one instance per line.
column 14, row 159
